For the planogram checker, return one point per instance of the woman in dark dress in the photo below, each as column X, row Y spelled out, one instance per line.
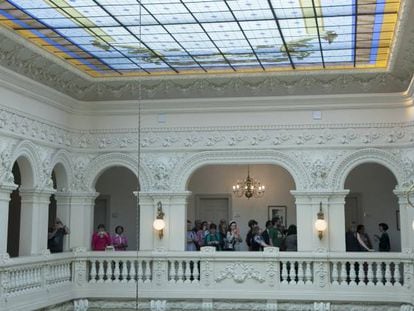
column 384, row 239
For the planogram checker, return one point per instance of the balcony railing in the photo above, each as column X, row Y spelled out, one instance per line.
column 34, row 282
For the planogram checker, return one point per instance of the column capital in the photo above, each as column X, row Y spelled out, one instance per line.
column 6, row 190
column 165, row 197
column 36, row 192
column 319, row 193
column 8, row 187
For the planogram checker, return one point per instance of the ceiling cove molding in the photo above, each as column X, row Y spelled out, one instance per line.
column 39, row 92
column 19, row 55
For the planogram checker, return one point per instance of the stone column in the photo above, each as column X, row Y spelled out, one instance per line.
column 81, row 219
column 307, row 208
column 63, row 200
column 5, row 191
column 406, row 222
column 174, row 205
column 34, row 221
column 336, row 221
column 304, row 221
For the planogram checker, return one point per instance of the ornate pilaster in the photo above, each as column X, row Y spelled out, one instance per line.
column 63, row 201
column 34, row 221
column 81, row 218
column 406, row 221
column 5, row 191
column 307, row 208
column 174, row 205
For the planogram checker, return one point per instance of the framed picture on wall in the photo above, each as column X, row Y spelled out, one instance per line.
column 278, row 211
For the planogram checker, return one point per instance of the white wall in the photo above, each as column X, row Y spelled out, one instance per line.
column 375, row 184
column 218, row 179
column 119, row 183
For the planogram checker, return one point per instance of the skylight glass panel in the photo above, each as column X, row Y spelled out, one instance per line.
column 160, row 35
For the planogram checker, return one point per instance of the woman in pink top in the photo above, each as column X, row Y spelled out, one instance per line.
column 119, row 240
column 100, row 239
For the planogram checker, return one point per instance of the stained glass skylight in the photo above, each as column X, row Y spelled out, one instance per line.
column 152, row 37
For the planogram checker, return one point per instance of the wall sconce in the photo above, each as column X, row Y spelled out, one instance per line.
column 320, row 223
column 159, row 222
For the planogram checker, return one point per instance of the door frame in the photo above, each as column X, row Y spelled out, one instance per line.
column 360, row 211
column 199, row 197
column 107, row 199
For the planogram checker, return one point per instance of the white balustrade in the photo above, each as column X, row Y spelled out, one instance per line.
column 289, row 275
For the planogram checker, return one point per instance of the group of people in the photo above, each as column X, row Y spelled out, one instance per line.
column 226, row 237
column 102, row 240
column 274, row 234
column 358, row 241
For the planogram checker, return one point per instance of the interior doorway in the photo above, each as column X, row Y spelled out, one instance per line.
column 101, row 212
column 213, row 208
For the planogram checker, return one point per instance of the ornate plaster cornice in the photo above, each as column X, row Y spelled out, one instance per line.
column 21, row 56
column 14, row 123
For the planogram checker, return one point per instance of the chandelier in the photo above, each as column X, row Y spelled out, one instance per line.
column 248, row 187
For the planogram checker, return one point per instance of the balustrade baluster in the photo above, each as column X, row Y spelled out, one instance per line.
column 361, row 274
column 335, row 273
column 387, row 275
column 117, row 272
column 60, row 272
column 284, row 272
column 187, row 271
column 101, row 272
column 93, row 273
column 196, row 272
column 300, row 274
column 352, row 273
column 18, row 280
column 123, row 270
column 140, row 272
column 148, row 273
column 397, row 275
column 308, row 273
column 109, row 271
column 172, row 272
column 180, row 272
column 132, row 272
column 370, row 275
column 343, row 276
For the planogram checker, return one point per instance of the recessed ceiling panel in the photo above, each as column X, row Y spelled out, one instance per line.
column 107, row 38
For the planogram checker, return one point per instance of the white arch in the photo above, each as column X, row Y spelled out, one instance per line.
column 103, row 162
column 371, row 155
column 30, row 168
column 183, row 172
column 63, row 157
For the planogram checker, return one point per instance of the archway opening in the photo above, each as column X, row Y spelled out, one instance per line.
column 212, row 196
column 371, row 201
column 23, row 177
column 116, row 204
column 13, row 232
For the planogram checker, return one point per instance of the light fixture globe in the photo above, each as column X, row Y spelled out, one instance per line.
column 412, row 224
column 159, row 224
column 321, row 225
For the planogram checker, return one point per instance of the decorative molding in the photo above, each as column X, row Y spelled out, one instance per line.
column 158, row 305
column 239, row 272
column 322, row 306
column 80, row 305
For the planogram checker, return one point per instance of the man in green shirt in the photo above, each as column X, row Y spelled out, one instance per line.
column 276, row 232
